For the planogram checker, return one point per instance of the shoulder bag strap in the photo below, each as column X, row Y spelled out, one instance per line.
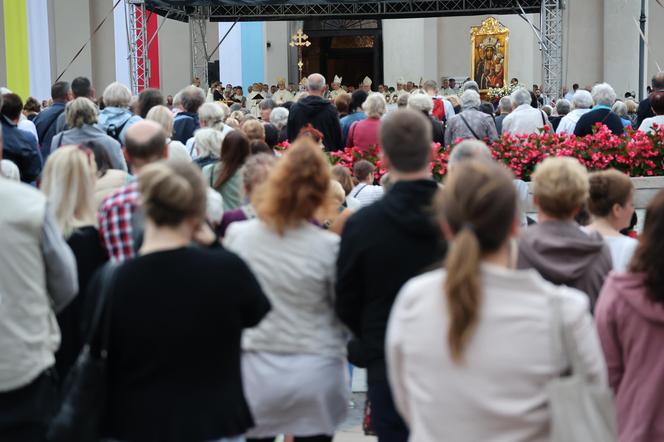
column 543, row 118
column 53, row 121
column 212, row 175
column 102, row 310
column 62, row 135
column 469, row 128
column 360, row 190
column 560, row 331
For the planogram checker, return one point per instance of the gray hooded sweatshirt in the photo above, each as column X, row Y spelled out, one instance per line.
column 563, row 254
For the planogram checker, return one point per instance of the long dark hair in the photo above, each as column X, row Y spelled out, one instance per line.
column 234, row 152
column 478, row 203
column 648, row 257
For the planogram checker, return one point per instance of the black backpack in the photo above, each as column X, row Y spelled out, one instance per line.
column 114, row 131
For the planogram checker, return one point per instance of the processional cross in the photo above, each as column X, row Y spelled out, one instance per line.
column 300, row 40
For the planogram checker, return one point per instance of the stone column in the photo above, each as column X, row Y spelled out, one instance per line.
column 621, row 45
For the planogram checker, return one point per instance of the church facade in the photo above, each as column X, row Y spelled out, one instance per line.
column 601, row 41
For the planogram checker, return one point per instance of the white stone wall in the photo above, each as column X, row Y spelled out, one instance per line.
column 276, row 57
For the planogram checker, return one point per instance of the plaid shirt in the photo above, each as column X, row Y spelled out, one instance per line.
column 115, row 222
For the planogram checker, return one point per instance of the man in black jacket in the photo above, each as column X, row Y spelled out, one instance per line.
column 604, row 96
column 46, row 121
column 645, row 110
column 318, row 112
column 382, row 247
column 20, row 147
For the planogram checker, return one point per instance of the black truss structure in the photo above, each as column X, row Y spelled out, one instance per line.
column 266, row 10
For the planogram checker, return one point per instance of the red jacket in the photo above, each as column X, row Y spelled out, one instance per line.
column 364, row 134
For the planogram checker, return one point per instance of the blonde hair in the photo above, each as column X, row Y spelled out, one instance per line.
column 172, row 191
column 68, row 182
column 337, row 191
column 478, row 203
column 238, row 116
column 233, row 123
column 117, row 95
column 163, row 116
column 213, row 115
column 560, row 185
column 79, row 112
column 208, row 142
column 254, row 130
column 297, row 187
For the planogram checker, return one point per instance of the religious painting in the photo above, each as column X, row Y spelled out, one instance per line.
column 489, row 54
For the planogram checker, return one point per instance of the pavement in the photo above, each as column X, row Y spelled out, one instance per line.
column 351, row 430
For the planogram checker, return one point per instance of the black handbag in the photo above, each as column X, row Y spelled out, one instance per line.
column 79, row 418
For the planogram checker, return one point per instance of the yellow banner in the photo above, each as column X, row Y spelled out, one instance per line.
column 16, row 47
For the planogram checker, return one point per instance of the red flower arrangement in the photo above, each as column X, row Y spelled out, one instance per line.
column 635, row 153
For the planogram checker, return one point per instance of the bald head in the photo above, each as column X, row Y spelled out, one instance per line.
column 145, row 142
column 315, row 84
column 658, row 81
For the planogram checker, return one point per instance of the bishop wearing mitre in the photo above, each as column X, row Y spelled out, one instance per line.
column 336, row 88
column 282, row 95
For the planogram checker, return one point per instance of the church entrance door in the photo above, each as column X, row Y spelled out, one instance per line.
column 351, row 49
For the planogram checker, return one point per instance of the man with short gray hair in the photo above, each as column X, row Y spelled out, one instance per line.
column 524, row 119
column 582, row 102
column 563, row 107
column 318, row 112
column 505, row 107
column 382, row 246
column 603, row 96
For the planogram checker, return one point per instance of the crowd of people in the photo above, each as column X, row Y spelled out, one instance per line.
column 225, row 284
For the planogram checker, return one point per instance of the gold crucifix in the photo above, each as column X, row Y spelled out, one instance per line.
column 300, row 40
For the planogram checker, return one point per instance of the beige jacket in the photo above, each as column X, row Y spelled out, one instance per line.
column 499, row 392
column 37, row 276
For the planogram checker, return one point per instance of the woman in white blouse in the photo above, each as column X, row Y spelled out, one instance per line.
column 470, row 347
column 611, row 203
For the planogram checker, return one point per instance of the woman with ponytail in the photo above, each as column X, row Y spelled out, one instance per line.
column 469, row 346
column 177, row 314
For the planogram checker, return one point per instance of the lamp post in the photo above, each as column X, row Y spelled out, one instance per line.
column 642, row 49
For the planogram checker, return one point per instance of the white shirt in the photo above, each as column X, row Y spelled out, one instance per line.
column 568, row 122
column 366, row 193
column 27, row 126
column 622, row 249
column 646, row 125
column 498, row 393
column 525, row 119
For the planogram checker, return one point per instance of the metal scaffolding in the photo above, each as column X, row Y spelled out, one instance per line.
column 198, row 21
column 284, row 10
column 137, row 23
column 552, row 47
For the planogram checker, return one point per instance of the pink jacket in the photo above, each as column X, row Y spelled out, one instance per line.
column 364, row 134
column 631, row 330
